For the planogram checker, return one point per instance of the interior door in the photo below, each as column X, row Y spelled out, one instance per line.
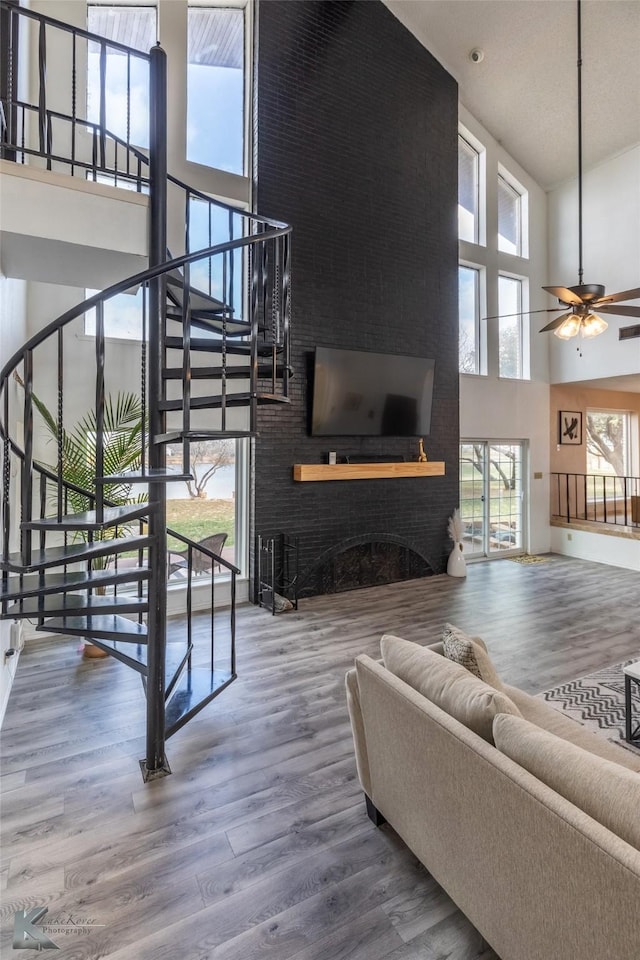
column 492, row 497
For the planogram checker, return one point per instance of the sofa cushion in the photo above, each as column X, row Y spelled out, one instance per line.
column 604, row 790
column 554, row 721
column 452, row 688
column 470, row 653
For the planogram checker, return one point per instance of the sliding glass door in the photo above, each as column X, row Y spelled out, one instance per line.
column 492, row 497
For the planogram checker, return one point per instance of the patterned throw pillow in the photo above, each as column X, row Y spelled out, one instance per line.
column 469, row 653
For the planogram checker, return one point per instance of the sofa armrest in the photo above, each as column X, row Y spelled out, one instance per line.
column 357, row 729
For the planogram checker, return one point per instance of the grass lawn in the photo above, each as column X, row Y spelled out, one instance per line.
column 198, row 519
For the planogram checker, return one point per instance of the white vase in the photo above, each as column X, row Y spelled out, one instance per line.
column 456, row 565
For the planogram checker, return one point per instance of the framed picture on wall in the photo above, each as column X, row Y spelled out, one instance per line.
column 570, row 427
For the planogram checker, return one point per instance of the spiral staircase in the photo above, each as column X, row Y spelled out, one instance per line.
column 214, row 345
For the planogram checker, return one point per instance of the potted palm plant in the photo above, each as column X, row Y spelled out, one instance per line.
column 122, row 452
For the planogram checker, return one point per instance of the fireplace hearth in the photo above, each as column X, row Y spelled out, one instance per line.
column 359, row 562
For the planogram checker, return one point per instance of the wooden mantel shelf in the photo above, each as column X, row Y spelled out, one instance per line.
column 366, row 471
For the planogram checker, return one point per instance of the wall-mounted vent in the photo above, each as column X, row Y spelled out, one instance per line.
column 628, row 333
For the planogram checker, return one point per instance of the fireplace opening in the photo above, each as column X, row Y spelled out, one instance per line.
column 369, row 562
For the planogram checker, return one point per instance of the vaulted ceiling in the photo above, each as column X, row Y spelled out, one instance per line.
column 524, row 90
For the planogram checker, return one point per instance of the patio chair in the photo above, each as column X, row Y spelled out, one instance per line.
column 200, row 561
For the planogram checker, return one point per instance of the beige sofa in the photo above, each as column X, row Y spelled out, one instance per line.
column 546, row 865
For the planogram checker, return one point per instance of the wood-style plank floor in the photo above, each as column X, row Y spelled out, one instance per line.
column 258, row 846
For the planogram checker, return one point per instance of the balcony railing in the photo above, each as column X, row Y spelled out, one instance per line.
column 595, row 498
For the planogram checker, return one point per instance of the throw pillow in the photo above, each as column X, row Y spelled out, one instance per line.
column 601, row 788
column 452, row 688
column 470, row 653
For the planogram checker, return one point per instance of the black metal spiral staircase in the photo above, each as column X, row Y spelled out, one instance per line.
column 214, row 345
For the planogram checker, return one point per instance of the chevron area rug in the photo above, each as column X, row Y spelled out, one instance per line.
column 597, row 701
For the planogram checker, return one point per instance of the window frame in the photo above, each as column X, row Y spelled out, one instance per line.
column 514, row 186
column 629, row 453
column 470, row 142
column 523, row 326
column 247, row 88
column 479, row 324
column 130, row 4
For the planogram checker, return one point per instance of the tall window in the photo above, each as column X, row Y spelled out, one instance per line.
column 608, row 442
column 122, row 316
column 126, row 81
column 510, row 327
column 469, row 315
column 510, row 218
column 215, row 87
column 468, row 191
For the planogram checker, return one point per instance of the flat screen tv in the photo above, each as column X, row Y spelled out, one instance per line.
column 356, row 393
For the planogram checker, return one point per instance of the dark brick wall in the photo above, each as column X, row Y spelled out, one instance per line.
column 357, row 148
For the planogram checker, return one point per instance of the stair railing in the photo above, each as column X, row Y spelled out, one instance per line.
column 246, row 246
column 54, row 128
column 25, row 361
column 595, row 498
column 227, row 671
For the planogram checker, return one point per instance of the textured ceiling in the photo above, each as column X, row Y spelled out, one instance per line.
column 524, row 91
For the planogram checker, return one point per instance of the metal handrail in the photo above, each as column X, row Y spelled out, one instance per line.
column 69, row 28
column 133, row 281
column 578, row 495
column 269, row 271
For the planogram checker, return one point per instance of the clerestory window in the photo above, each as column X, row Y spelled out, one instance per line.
column 468, row 191
column 117, row 83
column 216, row 87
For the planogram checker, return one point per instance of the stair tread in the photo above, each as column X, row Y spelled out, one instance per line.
column 216, row 324
column 211, row 345
column 75, row 603
column 136, row 657
column 199, row 299
column 87, row 520
column 195, row 689
column 72, row 553
column 211, row 373
column 105, row 626
column 175, row 436
column 33, row 584
column 231, row 400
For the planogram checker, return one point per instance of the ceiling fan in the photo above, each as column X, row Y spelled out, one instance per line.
column 580, row 302
column 583, row 299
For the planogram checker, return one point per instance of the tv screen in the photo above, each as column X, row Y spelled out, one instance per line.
column 356, row 393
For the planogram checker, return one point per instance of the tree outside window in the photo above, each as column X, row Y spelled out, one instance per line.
column 607, row 434
column 469, row 319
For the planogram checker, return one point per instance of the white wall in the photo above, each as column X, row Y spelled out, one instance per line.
column 585, row 545
column 492, row 407
column 611, row 244
column 64, row 229
column 13, row 333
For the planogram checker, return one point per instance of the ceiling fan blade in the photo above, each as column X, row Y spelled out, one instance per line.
column 620, row 311
column 554, row 324
column 624, row 295
column 524, row 313
column 564, row 294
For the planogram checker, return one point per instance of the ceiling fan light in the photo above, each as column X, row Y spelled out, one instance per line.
column 569, row 327
column 593, row 325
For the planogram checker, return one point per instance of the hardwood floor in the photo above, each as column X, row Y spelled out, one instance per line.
column 259, row 845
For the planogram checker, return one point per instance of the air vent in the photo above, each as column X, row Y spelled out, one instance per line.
column 628, row 333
